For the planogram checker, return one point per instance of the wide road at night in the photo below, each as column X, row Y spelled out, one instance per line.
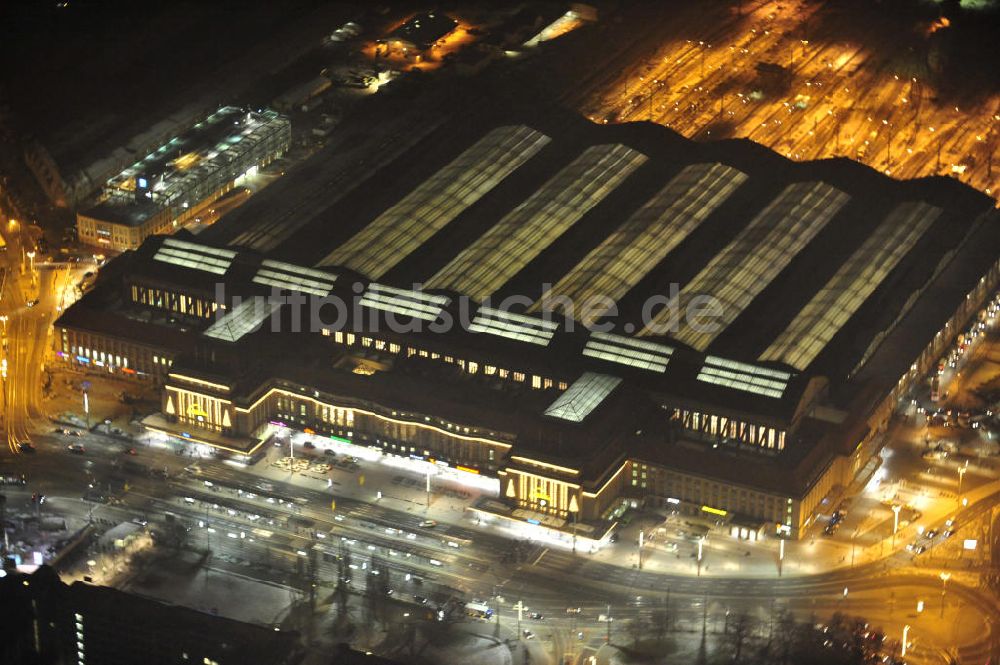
column 268, row 533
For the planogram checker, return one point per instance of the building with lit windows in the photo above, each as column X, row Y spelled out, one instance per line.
column 178, row 181
column 48, row 622
column 506, row 305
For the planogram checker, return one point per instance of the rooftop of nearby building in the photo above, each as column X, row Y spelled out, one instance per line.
column 101, row 610
column 424, row 29
column 169, row 174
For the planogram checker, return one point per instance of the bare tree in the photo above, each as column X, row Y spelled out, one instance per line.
column 636, row 628
column 788, row 634
column 659, row 621
column 343, row 582
column 740, row 629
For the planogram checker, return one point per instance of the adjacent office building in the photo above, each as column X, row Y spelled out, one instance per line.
column 49, row 622
column 181, row 179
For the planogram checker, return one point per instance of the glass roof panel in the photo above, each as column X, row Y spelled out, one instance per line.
column 612, row 268
column 522, row 234
column 404, row 227
column 583, row 396
column 830, row 308
column 745, row 266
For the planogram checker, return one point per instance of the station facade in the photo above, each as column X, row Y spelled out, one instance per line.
column 839, row 289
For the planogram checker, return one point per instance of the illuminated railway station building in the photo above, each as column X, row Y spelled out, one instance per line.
column 832, row 290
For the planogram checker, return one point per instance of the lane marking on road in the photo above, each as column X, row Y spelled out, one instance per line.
column 535, row 562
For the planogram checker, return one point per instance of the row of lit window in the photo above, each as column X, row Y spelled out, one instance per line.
column 80, row 656
column 731, row 428
column 110, row 358
column 395, row 430
column 174, row 302
column 471, row 366
column 458, row 429
column 100, row 356
column 108, row 233
column 716, row 494
column 326, row 413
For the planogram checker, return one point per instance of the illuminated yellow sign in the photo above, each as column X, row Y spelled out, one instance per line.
column 195, row 411
column 714, row 511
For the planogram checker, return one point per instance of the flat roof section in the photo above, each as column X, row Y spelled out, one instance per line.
column 437, row 201
column 190, row 166
column 186, row 149
column 627, row 255
column 424, row 29
column 131, row 213
column 852, row 284
column 744, row 267
column 486, row 265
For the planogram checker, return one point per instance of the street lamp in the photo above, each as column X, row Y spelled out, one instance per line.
column 781, row 555
column 574, row 508
column 944, row 582
column 906, row 637
column 86, row 406
column 520, row 608
column 701, row 542
column 961, row 475
column 428, row 487
column 641, row 538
